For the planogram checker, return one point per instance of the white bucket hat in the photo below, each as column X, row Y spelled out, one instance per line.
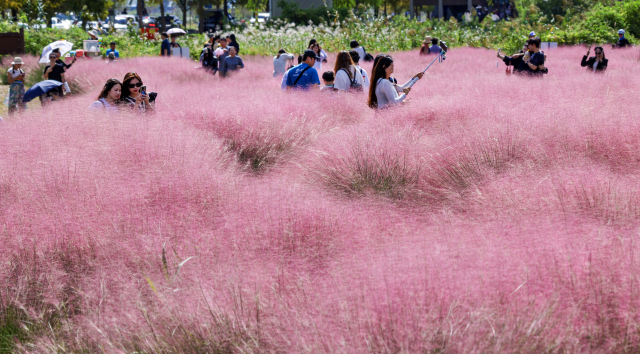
column 17, row 61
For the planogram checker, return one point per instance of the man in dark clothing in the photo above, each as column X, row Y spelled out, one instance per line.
column 622, row 42
column 536, row 61
column 165, row 47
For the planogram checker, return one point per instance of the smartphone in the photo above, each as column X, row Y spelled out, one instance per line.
column 143, row 89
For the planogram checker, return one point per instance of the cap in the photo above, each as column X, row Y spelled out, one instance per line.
column 114, row 43
column 532, row 34
column 621, row 31
column 112, row 55
column 310, row 54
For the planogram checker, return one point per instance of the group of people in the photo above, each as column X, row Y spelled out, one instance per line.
column 530, row 60
column 130, row 94
column 220, row 55
column 430, row 46
column 347, row 75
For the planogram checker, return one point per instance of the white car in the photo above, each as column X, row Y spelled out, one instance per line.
column 262, row 17
column 60, row 24
column 121, row 23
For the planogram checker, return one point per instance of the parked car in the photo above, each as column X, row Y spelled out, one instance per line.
column 171, row 21
column 213, row 20
column 262, row 18
column 121, row 23
column 56, row 22
column 148, row 22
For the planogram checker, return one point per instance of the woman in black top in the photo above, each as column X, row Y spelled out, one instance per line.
column 516, row 60
column 132, row 95
column 234, row 43
column 597, row 64
column 54, row 71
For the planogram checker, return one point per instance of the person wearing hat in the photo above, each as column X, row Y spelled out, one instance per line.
column 532, row 35
column 113, row 50
column 622, row 42
column 15, row 76
column 424, row 49
column 304, row 76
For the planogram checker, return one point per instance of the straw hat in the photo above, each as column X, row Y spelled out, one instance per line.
column 427, row 40
column 17, row 61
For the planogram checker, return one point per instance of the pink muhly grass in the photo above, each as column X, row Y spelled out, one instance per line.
column 490, row 214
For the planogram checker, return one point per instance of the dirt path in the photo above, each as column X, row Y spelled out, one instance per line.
column 4, row 90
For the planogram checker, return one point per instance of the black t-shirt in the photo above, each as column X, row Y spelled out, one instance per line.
column 537, row 59
column 56, row 72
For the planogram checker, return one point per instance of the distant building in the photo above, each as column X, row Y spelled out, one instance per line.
column 276, row 11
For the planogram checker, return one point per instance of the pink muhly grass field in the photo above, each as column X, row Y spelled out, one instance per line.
column 490, row 214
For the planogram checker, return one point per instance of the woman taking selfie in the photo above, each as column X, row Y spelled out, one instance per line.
column 109, row 96
column 133, row 95
column 313, row 45
column 382, row 92
column 597, row 64
column 348, row 78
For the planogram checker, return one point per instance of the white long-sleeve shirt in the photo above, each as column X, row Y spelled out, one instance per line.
column 387, row 94
column 280, row 63
column 343, row 82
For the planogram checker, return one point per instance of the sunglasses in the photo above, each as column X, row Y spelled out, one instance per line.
column 139, row 84
column 52, row 56
column 598, row 53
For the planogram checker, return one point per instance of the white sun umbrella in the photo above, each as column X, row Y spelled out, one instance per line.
column 176, row 32
column 64, row 46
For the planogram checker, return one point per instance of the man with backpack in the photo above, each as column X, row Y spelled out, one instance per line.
column 304, row 76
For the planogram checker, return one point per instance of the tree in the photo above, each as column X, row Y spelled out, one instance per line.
column 184, row 6
column 163, row 21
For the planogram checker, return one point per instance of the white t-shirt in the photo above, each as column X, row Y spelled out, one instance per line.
column 595, row 66
column 361, row 52
column 365, row 76
column 103, row 104
column 283, row 83
column 15, row 73
column 343, row 82
column 280, row 63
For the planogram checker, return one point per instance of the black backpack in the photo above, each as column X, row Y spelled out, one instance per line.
column 355, row 86
column 367, row 56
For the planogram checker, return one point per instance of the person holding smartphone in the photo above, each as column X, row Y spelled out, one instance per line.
column 597, row 64
column 135, row 95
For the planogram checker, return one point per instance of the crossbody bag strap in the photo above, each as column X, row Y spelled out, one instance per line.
column 353, row 80
column 300, row 76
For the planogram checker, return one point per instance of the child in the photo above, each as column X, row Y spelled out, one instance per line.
column 328, row 77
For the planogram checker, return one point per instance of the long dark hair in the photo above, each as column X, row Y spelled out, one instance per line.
column 125, row 84
column 343, row 61
column 378, row 73
column 107, row 87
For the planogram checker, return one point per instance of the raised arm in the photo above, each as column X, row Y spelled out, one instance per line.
column 584, row 61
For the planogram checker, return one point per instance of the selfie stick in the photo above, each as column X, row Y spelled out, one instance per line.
column 442, row 56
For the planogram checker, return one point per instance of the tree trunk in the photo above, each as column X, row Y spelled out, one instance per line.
column 268, row 9
column 14, row 15
column 226, row 11
column 163, row 21
column 139, row 9
column 184, row 13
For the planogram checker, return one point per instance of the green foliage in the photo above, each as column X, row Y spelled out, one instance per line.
column 293, row 13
